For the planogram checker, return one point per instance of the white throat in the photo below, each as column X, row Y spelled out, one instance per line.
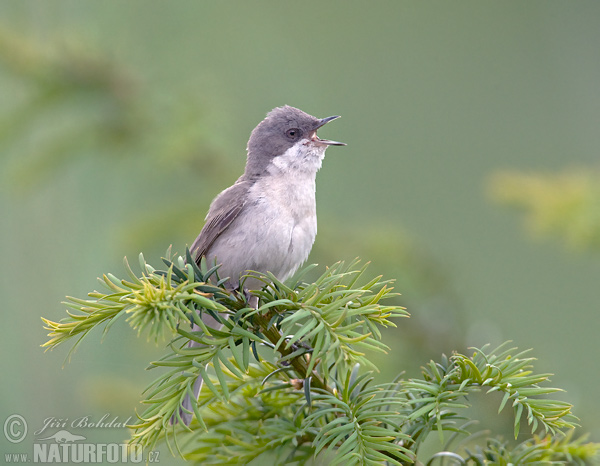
column 303, row 158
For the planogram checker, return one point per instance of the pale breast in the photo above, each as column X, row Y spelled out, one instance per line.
column 276, row 230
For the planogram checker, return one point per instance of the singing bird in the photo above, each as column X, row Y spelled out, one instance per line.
column 266, row 221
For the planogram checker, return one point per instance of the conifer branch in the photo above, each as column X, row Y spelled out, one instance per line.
column 284, row 381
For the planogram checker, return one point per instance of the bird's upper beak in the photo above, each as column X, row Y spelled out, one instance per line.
column 320, row 123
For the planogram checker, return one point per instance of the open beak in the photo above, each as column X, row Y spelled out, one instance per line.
column 327, row 142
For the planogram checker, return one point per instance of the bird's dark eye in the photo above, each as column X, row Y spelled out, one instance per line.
column 293, row 133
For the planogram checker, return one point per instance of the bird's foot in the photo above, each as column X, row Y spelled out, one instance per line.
column 301, row 344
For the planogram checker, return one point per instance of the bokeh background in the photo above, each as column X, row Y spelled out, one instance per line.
column 119, row 121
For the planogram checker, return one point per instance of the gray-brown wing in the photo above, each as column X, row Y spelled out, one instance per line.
column 223, row 211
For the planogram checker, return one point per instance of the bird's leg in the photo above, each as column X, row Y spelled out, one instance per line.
column 253, row 303
column 186, row 410
column 252, row 299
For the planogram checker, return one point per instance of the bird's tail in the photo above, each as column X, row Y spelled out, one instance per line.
column 186, row 412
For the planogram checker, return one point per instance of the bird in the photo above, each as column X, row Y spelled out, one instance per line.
column 266, row 221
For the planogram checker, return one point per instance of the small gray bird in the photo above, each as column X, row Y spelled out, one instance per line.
column 266, row 221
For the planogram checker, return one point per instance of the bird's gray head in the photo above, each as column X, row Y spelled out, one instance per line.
column 286, row 140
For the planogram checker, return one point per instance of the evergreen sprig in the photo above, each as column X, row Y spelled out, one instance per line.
column 538, row 450
column 435, row 401
column 283, row 381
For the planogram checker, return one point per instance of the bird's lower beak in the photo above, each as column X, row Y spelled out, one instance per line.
column 327, row 142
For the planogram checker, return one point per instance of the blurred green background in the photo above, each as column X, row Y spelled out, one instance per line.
column 119, row 121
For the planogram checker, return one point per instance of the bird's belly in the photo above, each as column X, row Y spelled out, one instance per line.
column 265, row 238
